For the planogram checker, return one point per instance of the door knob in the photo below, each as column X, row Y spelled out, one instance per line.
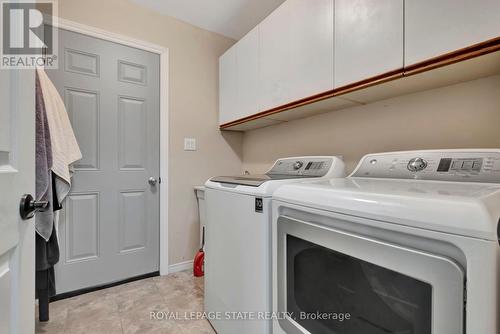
column 28, row 206
column 152, row 181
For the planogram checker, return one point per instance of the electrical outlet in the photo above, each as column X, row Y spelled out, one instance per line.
column 189, row 144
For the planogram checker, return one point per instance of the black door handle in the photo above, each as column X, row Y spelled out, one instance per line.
column 28, row 206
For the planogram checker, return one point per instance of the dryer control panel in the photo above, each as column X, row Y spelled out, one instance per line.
column 447, row 165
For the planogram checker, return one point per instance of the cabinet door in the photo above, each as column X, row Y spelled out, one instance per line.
column 228, row 88
column 274, row 58
column 247, row 59
column 311, row 49
column 368, row 39
column 296, row 52
column 437, row 27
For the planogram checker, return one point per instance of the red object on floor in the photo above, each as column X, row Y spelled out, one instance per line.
column 198, row 263
column 199, row 258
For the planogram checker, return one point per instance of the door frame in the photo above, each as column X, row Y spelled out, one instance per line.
column 164, row 112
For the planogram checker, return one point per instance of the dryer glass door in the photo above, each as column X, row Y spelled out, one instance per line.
column 333, row 282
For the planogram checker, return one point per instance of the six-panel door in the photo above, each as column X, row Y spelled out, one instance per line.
column 109, row 225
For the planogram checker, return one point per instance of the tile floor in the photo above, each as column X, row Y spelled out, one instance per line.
column 125, row 309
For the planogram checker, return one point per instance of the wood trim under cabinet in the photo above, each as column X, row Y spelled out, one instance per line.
column 291, row 105
column 376, row 80
column 466, row 53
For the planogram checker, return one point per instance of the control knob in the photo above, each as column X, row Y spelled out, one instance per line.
column 297, row 165
column 417, row 165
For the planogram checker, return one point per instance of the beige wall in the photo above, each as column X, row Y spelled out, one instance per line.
column 466, row 115
column 193, row 104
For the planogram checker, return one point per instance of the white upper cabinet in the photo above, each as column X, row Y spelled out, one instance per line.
column 296, row 52
column 368, row 39
column 311, row 48
column 274, row 58
column 228, row 92
column 437, row 27
column 239, row 79
column 247, row 58
column 308, row 47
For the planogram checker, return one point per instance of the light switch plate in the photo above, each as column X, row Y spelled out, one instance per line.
column 189, row 144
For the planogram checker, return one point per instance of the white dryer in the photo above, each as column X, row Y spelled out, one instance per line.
column 409, row 243
column 238, row 236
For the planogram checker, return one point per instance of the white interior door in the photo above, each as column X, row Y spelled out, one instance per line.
column 109, row 224
column 17, row 177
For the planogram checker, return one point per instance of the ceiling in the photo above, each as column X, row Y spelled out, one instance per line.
column 231, row 18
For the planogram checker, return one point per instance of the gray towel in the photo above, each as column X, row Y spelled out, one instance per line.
column 43, row 220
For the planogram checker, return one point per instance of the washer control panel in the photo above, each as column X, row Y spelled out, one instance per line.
column 448, row 165
column 303, row 166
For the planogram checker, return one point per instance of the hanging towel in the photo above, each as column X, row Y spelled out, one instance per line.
column 65, row 149
column 43, row 161
column 47, row 255
column 46, row 245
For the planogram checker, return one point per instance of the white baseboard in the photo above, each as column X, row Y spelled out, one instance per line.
column 181, row 266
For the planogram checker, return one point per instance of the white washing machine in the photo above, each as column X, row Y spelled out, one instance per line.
column 408, row 243
column 238, row 234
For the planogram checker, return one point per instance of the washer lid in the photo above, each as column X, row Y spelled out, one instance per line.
column 254, row 180
column 290, row 168
column 461, row 208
